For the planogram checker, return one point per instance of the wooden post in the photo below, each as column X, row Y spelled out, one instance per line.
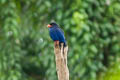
column 61, row 62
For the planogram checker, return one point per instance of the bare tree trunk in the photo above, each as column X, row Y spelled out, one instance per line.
column 61, row 62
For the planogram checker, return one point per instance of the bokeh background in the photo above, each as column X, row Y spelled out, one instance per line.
column 92, row 30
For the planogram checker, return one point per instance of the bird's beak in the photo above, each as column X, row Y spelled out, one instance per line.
column 49, row 26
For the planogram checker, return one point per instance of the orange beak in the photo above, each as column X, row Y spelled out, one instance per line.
column 49, row 26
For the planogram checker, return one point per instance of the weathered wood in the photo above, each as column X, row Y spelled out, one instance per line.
column 61, row 62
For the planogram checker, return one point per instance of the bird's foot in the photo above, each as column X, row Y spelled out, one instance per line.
column 56, row 43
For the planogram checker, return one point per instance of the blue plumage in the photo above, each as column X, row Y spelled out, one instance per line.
column 56, row 33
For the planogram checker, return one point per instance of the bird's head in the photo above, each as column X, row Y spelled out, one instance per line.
column 53, row 24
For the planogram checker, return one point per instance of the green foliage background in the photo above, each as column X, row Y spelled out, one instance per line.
column 92, row 30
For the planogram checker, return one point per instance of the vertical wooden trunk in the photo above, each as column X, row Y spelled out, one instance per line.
column 61, row 62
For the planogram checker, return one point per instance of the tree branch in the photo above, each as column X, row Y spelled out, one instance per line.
column 61, row 62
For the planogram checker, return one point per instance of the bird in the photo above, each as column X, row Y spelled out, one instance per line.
column 56, row 34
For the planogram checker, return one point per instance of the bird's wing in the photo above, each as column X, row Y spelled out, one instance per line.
column 60, row 34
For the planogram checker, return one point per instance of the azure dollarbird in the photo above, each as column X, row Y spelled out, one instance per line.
column 56, row 34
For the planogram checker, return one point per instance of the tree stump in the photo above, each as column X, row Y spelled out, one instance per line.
column 61, row 62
